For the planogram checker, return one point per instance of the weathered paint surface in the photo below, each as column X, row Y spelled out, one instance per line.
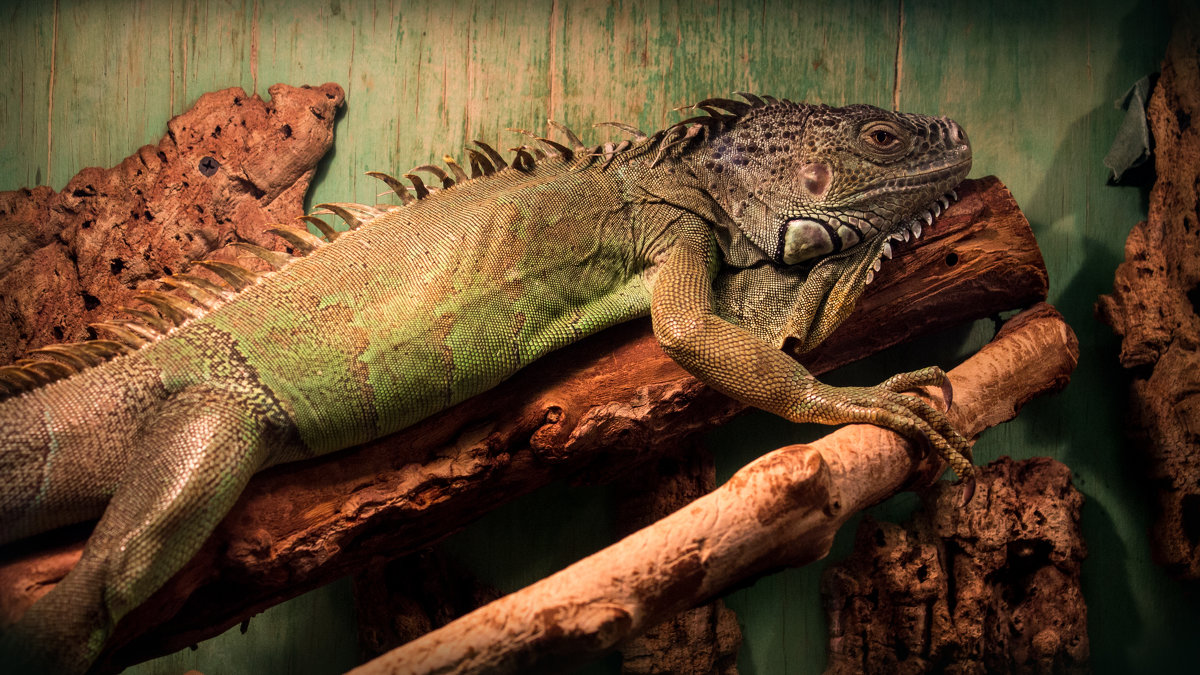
column 86, row 83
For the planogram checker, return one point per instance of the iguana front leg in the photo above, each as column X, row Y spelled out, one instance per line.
column 199, row 451
column 732, row 360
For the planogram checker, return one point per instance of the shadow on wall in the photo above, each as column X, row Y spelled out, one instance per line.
column 1118, row 576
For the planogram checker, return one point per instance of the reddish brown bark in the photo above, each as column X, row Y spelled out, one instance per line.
column 782, row 509
column 991, row 588
column 1155, row 306
column 400, row 600
column 74, row 257
column 593, row 408
column 700, row 640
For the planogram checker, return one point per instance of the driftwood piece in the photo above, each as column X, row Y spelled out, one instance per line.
column 590, row 410
column 702, row 639
column 400, row 600
column 993, row 588
column 226, row 170
column 1155, row 307
column 780, row 510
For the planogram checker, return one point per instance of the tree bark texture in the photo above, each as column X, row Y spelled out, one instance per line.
column 400, row 600
column 589, row 411
column 227, row 169
column 990, row 588
column 1155, row 307
column 780, row 510
column 703, row 640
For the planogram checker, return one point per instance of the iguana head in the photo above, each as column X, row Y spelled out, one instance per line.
column 803, row 181
column 815, row 195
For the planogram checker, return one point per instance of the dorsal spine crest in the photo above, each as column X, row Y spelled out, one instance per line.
column 166, row 312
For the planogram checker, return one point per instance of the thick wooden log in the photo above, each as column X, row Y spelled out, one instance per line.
column 780, row 510
column 591, row 409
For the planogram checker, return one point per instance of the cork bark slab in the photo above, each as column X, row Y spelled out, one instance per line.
column 226, row 170
column 1155, row 307
column 991, row 588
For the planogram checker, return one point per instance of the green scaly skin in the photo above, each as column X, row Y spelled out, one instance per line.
column 759, row 223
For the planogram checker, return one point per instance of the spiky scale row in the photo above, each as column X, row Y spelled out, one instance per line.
column 171, row 311
column 496, row 158
column 123, row 333
column 575, row 141
column 418, row 185
column 438, row 172
column 62, row 361
column 523, row 161
column 202, row 291
column 276, row 259
column 152, row 321
column 236, row 276
column 633, row 131
column 141, row 333
column 459, row 174
column 75, row 358
column 170, row 307
column 301, row 239
column 326, row 229
column 397, row 187
column 351, row 214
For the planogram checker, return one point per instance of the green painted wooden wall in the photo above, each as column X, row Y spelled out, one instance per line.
column 86, row 83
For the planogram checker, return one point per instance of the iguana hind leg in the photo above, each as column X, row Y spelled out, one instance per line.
column 198, row 453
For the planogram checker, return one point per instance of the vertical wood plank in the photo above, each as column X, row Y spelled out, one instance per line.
column 635, row 61
column 24, row 94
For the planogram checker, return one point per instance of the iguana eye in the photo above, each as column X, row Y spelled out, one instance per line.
column 883, row 138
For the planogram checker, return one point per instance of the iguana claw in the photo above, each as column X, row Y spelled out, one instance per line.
column 912, row 417
column 968, row 484
column 948, row 393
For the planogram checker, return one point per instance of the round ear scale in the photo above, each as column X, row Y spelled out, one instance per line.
column 816, row 178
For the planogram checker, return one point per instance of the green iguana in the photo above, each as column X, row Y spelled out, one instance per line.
column 735, row 230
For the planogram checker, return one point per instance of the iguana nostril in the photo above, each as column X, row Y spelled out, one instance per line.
column 955, row 132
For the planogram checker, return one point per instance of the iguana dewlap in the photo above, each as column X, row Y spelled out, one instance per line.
column 736, row 230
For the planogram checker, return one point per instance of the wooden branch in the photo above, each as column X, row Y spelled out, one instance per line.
column 591, row 409
column 782, row 509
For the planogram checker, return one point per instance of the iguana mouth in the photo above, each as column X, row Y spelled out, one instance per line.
column 917, row 180
column 805, row 239
column 910, row 229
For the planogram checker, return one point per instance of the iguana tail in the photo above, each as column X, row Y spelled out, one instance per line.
column 64, row 445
